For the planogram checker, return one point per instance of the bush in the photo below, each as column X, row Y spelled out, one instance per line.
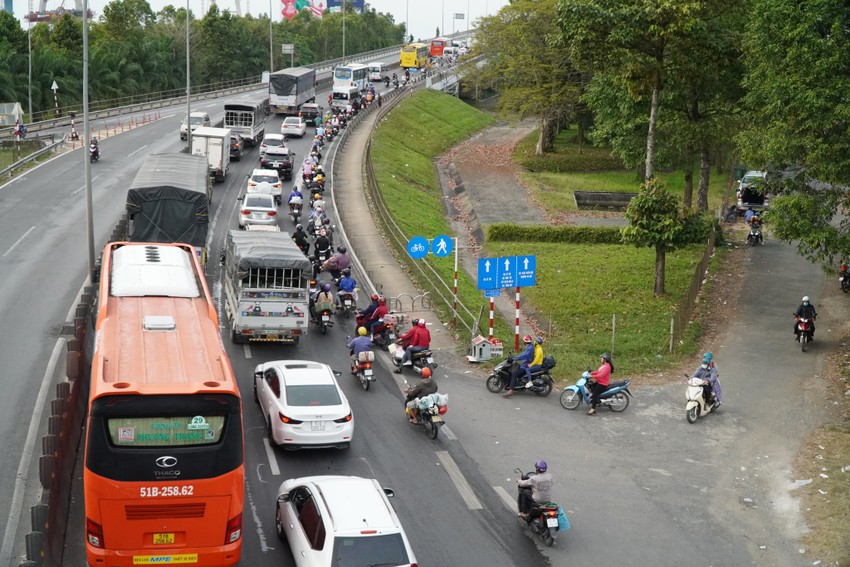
column 506, row 232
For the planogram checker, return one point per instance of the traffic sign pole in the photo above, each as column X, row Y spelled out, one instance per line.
column 516, row 328
column 454, row 293
column 492, row 313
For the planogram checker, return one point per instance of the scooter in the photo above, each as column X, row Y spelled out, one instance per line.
column 326, row 320
column 295, row 205
column 543, row 520
column 697, row 404
column 755, row 237
column 94, row 153
column 362, row 368
column 349, row 306
column 420, row 360
column 384, row 335
column 615, row 397
column 804, row 332
column 541, row 381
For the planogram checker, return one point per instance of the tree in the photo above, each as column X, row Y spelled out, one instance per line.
column 124, row 19
column 657, row 221
column 534, row 76
column 797, row 60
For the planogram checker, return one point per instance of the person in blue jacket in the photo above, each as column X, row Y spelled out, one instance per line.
column 347, row 284
column 520, row 362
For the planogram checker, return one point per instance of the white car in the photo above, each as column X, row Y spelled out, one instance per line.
column 257, row 208
column 271, row 140
column 303, row 404
column 293, row 126
column 269, row 176
column 332, row 521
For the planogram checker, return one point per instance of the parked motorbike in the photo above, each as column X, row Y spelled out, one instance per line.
column 844, row 278
column 420, row 360
column 348, row 304
column 543, row 520
column 362, row 368
column 430, row 418
column 697, row 404
column 94, row 153
column 615, row 397
column 804, row 332
column 541, row 381
column 755, row 237
column 295, row 206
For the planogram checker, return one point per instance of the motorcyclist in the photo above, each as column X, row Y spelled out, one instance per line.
column 599, row 381
column 366, row 314
column 419, row 341
column 520, row 362
column 295, row 193
column 378, row 315
column 338, row 262
column 323, row 301
column 360, row 343
column 426, row 386
column 536, row 362
column 318, row 212
column 710, row 376
column 347, row 285
column 95, row 148
column 321, row 245
column 301, row 240
column 535, row 490
column 805, row 311
column 318, row 122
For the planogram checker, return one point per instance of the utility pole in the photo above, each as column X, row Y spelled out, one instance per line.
column 189, row 85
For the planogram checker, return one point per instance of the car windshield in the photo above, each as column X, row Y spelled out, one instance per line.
column 362, row 551
column 258, row 202
column 292, row 122
column 267, row 178
column 197, row 120
column 750, row 179
column 313, row 395
column 271, row 142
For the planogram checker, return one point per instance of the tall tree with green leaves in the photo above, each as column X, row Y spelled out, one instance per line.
column 798, row 57
column 534, row 76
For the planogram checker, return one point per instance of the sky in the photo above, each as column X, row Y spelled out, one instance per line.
column 425, row 16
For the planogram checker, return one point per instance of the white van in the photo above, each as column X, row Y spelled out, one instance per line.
column 198, row 119
column 376, row 70
column 344, row 96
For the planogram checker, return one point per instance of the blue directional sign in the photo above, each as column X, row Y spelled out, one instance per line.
column 487, row 276
column 442, row 246
column 526, row 271
column 417, row 247
column 492, row 292
column 507, row 272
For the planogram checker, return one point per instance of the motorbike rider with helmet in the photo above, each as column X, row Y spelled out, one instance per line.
column 520, row 363
column 301, row 240
column 426, row 386
column 536, row 489
column 805, row 311
column 295, row 193
column 536, row 362
column 347, row 285
column 321, row 244
column 419, row 340
column 378, row 315
column 599, row 381
column 708, row 373
column 338, row 262
column 360, row 343
column 323, row 301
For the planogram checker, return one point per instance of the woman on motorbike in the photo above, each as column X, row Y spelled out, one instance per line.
column 707, row 372
column 536, row 489
column 599, row 381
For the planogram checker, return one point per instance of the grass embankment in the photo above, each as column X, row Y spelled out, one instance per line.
column 579, row 286
column 570, row 167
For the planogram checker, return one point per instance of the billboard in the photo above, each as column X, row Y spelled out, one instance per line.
column 292, row 7
column 336, row 5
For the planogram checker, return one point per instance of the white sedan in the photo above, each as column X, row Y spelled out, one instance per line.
column 258, row 208
column 293, row 126
column 259, row 176
column 303, row 404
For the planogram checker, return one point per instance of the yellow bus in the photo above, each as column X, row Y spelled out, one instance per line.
column 414, row 55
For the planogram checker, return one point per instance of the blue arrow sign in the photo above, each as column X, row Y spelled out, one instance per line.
column 492, row 292
column 507, row 272
column 487, row 275
column 417, row 247
column 526, row 271
column 442, row 246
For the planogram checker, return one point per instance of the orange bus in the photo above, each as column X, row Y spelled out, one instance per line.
column 164, row 458
column 437, row 46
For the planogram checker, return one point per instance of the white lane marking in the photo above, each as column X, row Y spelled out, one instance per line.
column 209, row 105
column 264, row 547
column 247, row 349
column 18, row 241
column 272, row 457
column 93, row 179
column 136, row 151
column 459, row 481
column 448, row 432
column 168, row 116
column 509, row 502
column 21, row 479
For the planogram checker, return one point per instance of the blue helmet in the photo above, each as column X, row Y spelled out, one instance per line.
column 541, row 466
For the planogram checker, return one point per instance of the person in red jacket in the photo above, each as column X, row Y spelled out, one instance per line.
column 378, row 315
column 420, row 340
column 601, row 378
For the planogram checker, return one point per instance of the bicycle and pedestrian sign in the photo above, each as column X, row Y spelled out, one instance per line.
column 507, row 272
column 417, row 247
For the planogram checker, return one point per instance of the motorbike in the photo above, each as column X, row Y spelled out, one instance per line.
column 420, row 360
column 384, row 333
column 430, row 418
column 295, row 205
column 543, row 520
column 362, row 368
column 387, row 82
column 347, row 303
column 94, row 153
column 541, row 381
column 697, row 404
column 804, row 332
column 755, row 237
column 326, row 320
column 615, row 397
column 844, row 278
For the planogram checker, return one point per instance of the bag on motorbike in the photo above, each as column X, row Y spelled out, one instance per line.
column 548, row 362
column 563, row 522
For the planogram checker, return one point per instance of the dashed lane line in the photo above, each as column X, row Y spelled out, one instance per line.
column 459, row 481
column 271, row 456
column 509, row 502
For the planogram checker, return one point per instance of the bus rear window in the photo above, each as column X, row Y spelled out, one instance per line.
column 173, row 431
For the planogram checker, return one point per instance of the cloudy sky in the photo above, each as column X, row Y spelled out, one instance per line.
column 424, row 15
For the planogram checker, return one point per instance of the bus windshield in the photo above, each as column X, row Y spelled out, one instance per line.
column 342, row 73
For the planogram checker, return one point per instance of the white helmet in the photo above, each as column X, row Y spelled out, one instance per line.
column 805, row 299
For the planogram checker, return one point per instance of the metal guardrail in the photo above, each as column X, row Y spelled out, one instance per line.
column 32, row 157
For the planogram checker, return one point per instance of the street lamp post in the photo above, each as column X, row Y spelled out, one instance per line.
column 188, row 86
column 343, row 32
column 29, row 48
column 87, row 142
column 271, row 43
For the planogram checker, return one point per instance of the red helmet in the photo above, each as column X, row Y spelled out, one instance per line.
column 421, row 322
column 382, row 300
column 526, row 339
column 374, row 297
column 426, row 372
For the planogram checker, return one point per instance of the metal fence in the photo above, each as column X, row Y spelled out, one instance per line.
column 680, row 319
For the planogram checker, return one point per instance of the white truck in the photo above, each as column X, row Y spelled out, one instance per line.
column 290, row 88
column 214, row 144
column 265, row 287
column 247, row 118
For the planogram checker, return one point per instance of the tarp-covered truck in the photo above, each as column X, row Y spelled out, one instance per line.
column 290, row 88
column 169, row 200
column 265, row 287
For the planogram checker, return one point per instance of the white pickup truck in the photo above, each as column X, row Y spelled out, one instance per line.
column 265, row 287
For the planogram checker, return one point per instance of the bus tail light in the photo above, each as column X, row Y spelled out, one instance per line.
column 234, row 529
column 94, row 534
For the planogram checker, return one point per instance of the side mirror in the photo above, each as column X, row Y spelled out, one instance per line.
column 283, row 498
column 389, row 492
column 337, row 373
column 239, row 198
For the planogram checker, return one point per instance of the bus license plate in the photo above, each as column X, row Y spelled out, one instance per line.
column 163, row 539
column 317, row 426
column 552, row 522
column 367, row 372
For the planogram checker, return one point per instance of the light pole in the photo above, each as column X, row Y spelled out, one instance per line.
column 29, row 48
column 407, row 19
column 467, row 17
column 87, row 142
column 343, row 32
column 188, row 86
column 443, row 19
column 271, row 43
